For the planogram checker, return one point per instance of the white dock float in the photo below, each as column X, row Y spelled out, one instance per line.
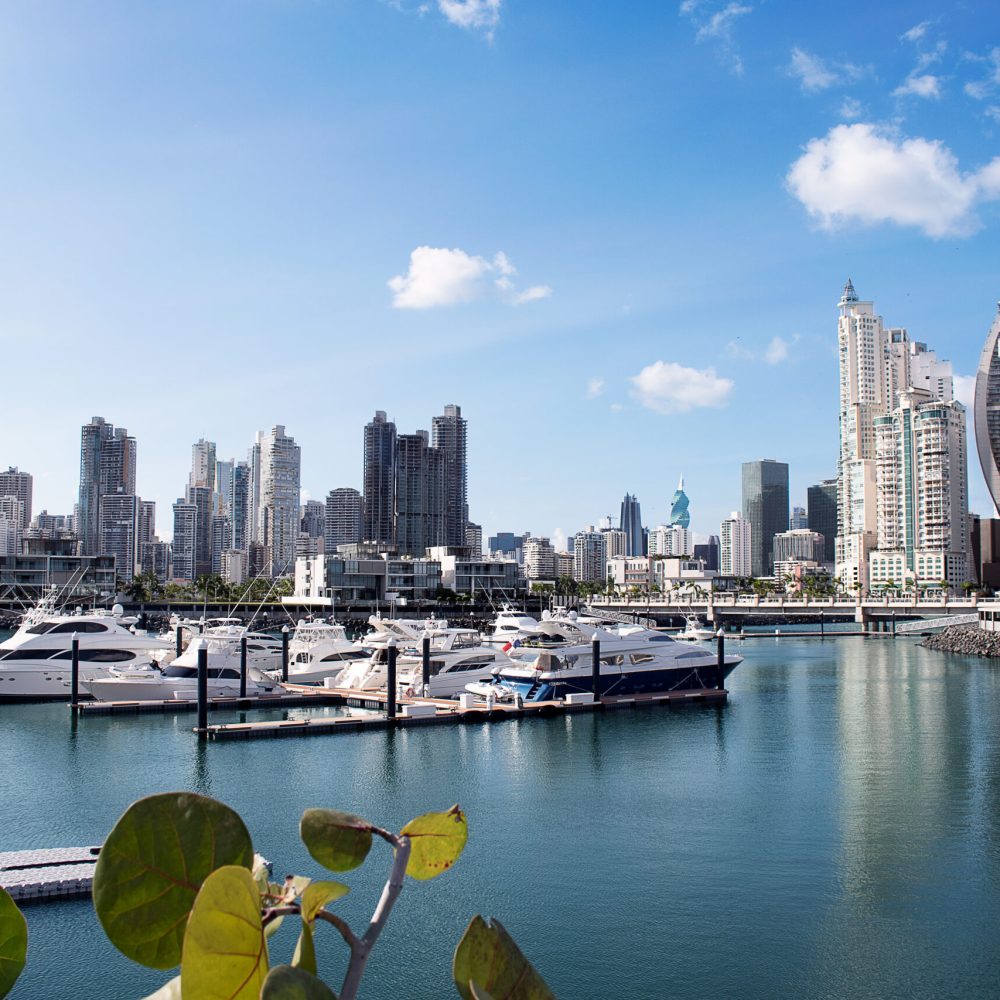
column 53, row 873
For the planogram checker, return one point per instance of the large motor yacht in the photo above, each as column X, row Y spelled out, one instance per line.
column 634, row 661
column 35, row 662
column 319, row 650
column 457, row 656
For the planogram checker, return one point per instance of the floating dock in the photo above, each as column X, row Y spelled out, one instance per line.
column 298, row 696
column 55, row 873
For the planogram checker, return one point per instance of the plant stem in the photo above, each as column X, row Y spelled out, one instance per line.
column 390, row 892
column 345, row 931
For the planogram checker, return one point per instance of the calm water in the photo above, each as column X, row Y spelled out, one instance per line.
column 833, row 832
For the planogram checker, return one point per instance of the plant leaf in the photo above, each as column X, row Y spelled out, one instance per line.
column 168, row 991
column 153, row 864
column 285, row 983
column 436, row 841
column 318, row 894
column 305, row 950
column 225, row 954
column 273, row 926
column 488, row 956
column 337, row 840
column 13, row 942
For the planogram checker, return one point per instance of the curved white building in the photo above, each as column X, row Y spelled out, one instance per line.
column 987, row 411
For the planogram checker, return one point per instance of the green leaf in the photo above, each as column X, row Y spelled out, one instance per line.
column 488, row 956
column 337, row 840
column 153, row 864
column 168, row 991
column 13, row 942
column 318, row 894
column 272, row 927
column 225, row 954
column 285, row 983
column 305, row 950
column 436, row 841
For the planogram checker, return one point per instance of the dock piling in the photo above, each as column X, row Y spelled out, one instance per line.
column 721, row 660
column 203, row 693
column 390, row 702
column 595, row 668
column 243, row 667
column 177, row 639
column 284, row 654
column 425, row 663
column 74, row 676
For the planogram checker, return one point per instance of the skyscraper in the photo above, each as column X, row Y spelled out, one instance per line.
column 240, row 507
column 821, row 515
column 14, row 483
column 379, row 479
column 630, row 521
column 280, row 467
column 590, row 556
column 735, row 543
column 765, row 507
column 449, row 435
column 798, row 520
column 987, row 411
column 679, row 516
column 344, row 520
column 709, row 551
column 107, row 465
column 420, row 494
column 203, row 464
column 118, row 530
column 183, row 548
column 313, row 514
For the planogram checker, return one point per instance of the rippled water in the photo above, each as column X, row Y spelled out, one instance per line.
column 833, row 832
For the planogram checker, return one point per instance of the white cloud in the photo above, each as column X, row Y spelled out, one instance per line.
column 558, row 539
column 715, row 23
column 861, row 173
column 916, row 32
column 851, row 108
column 813, row 73
column 667, row 387
column 980, row 90
column 965, row 389
column 438, row 276
column 778, row 350
column 926, row 85
column 595, row 387
column 483, row 15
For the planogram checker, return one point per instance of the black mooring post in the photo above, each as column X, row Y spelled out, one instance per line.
column 894, row 624
column 595, row 668
column 284, row 654
column 202, row 691
column 822, row 623
column 721, row 636
column 74, row 676
column 179, row 638
column 243, row 667
column 425, row 662
column 390, row 701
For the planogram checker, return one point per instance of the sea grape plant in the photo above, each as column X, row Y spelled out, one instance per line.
column 177, row 883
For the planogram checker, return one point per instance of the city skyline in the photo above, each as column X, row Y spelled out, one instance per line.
column 279, row 287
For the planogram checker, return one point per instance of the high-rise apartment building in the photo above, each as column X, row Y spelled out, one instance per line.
column 107, row 465
column 474, row 538
column 224, row 484
column 202, row 498
column 313, row 514
column 239, row 508
column 183, row 547
column 449, row 436
column 280, row 468
column 343, row 519
column 765, row 507
column 821, row 515
column 590, row 556
column 420, row 494
column 630, row 521
column 506, row 543
column 118, row 531
column 14, row 483
column 798, row 520
column 922, row 493
column 539, row 559
column 669, row 540
column 146, row 526
column 709, row 552
column 203, row 464
column 616, row 542
column 379, row 479
column 735, row 543
column 987, row 411
column 799, row 545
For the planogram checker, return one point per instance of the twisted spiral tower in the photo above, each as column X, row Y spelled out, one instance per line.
column 679, row 516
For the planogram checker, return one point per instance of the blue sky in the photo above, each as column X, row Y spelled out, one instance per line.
column 614, row 233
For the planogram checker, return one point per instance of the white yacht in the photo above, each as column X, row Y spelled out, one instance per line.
column 511, row 624
column 403, row 630
column 458, row 656
column 634, row 662
column 694, row 631
column 147, row 682
column 319, row 650
column 35, row 660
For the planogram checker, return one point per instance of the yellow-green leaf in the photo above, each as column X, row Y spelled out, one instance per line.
column 436, row 841
column 305, row 950
column 152, row 865
column 488, row 957
column 286, row 983
column 225, row 954
column 13, row 942
column 318, row 894
column 337, row 840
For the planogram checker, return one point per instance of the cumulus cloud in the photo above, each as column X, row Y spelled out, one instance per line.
column 916, row 32
column 667, row 387
column 438, row 276
column 862, row 173
column 925, row 85
column 481, row 15
column 815, row 74
column 716, row 23
column 595, row 387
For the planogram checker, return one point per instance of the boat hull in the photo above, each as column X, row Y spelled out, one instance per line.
column 32, row 682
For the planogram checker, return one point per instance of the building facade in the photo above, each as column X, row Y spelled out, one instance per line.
column 280, row 468
column 590, row 556
column 419, row 516
column 343, row 522
column 630, row 521
column 379, row 479
column 107, row 465
column 539, row 559
column 735, row 546
column 17, row 484
column 986, row 410
column 799, row 544
column 765, row 507
column 449, row 436
column 821, row 515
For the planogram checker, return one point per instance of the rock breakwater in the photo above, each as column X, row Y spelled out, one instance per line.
column 968, row 639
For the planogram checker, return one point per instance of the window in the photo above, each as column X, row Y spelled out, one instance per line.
column 40, row 629
column 30, row 654
column 613, row 661
column 641, row 657
column 82, row 627
column 98, row 655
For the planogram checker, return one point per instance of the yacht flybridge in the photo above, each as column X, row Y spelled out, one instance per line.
column 35, row 662
column 318, row 650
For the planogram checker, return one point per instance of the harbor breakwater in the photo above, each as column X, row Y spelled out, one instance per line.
column 967, row 639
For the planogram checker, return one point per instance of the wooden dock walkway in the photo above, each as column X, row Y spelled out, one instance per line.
column 53, row 873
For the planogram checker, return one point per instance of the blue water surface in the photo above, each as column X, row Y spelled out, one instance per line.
column 834, row 831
